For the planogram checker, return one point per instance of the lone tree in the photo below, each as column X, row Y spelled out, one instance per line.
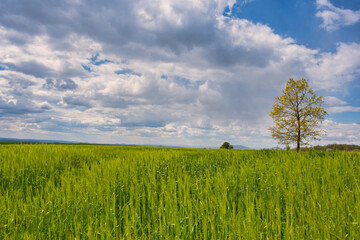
column 297, row 114
column 226, row 145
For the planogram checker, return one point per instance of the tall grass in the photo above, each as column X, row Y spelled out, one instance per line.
column 112, row 192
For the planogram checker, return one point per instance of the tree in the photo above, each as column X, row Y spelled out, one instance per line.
column 297, row 114
column 226, row 145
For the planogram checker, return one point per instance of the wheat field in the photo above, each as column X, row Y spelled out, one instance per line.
column 55, row 191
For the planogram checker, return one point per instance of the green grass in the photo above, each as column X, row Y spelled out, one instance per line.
column 111, row 192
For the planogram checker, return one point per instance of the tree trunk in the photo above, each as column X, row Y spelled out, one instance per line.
column 298, row 142
column 298, row 135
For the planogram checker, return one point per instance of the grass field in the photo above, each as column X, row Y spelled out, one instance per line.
column 112, row 192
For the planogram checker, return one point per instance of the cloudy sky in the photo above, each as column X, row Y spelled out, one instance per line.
column 190, row 72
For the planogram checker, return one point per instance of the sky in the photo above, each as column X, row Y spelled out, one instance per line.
column 190, row 72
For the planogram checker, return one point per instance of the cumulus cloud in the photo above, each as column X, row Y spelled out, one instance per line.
column 333, row 101
column 31, row 68
column 334, row 17
column 143, row 72
column 330, row 70
column 60, row 84
column 19, row 106
column 340, row 109
column 336, row 105
column 342, row 133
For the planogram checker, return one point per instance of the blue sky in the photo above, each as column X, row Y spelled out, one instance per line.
column 297, row 19
column 194, row 73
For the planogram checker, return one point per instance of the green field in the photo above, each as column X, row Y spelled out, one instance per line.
column 113, row 192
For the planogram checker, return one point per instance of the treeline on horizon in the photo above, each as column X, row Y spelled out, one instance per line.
column 329, row 147
column 334, row 147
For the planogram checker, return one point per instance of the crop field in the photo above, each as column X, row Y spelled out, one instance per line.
column 50, row 191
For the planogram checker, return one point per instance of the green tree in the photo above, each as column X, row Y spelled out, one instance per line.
column 297, row 114
column 226, row 145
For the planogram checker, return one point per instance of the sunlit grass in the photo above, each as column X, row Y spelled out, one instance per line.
column 112, row 192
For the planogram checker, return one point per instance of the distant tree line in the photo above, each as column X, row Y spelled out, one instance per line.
column 333, row 147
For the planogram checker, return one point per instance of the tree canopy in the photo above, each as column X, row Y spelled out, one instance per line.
column 226, row 145
column 297, row 114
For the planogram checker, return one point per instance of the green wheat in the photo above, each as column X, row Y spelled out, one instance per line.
column 112, row 192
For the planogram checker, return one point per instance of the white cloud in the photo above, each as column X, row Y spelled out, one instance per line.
column 334, row 17
column 333, row 101
column 330, row 70
column 336, row 105
column 340, row 109
column 341, row 133
column 170, row 73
